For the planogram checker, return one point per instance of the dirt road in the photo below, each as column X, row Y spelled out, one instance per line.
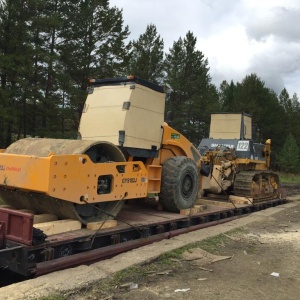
column 254, row 247
column 262, row 261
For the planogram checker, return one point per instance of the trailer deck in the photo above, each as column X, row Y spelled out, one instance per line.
column 26, row 251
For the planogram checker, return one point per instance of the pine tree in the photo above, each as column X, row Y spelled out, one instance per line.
column 92, row 46
column 296, row 118
column 291, row 107
column 146, row 56
column 16, row 52
column 254, row 98
column 48, row 50
column 228, row 96
column 288, row 158
column 192, row 97
column 45, row 78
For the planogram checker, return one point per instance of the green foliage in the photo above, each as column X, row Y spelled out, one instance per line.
column 289, row 178
column 52, row 297
column 48, row 50
column 288, row 158
column 192, row 97
column 169, row 258
column 253, row 97
column 209, row 245
column 291, row 107
column 228, row 96
column 146, row 56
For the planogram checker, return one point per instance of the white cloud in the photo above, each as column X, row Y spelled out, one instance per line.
column 238, row 36
column 278, row 21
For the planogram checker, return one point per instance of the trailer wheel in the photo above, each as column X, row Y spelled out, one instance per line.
column 179, row 187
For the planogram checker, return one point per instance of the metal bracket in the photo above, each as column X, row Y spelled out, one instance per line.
column 18, row 225
column 2, row 232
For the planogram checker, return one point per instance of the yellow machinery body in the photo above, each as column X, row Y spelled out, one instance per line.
column 75, row 177
column 232, row 162
column 126, row 151
column 60, row 176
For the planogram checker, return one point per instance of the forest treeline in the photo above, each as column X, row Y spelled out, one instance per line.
column 49, row 50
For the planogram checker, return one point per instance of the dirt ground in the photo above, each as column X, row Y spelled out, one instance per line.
column 259, row 261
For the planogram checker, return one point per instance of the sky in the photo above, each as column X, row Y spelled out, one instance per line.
column 238, row 37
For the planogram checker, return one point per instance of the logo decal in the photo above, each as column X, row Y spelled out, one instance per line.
column 175, row 136
column 13, row 169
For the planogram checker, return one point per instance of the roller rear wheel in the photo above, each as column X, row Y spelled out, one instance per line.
column 179, row 187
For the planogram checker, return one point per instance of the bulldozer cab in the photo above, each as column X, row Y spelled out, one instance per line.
column 232, row 131
column 231, row 126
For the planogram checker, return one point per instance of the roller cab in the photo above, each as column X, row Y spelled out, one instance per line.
column 127, row 112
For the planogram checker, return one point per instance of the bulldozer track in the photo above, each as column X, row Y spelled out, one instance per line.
column 258, row 186
column 70, row 249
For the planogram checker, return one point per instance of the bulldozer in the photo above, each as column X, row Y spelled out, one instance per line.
column 125, row 151
column 232, row 163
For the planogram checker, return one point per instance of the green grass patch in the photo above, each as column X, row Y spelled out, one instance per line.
column 251, row 249
column 289, row 178
column 137, row 272
column 133, row 274
column 210, row 245
column 53, row 297
column 169, row 259
column 121, row 276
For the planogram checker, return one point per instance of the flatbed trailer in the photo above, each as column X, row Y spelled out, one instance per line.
column 28, row 252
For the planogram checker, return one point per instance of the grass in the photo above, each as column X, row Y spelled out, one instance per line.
column 167, row 260
column 289, row 178
column 210, row 245
column 129, row 273
column 52, row 297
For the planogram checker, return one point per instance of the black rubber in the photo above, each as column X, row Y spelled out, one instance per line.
column 180, row 184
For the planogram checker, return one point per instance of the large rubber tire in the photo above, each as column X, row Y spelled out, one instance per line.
column 180, row 184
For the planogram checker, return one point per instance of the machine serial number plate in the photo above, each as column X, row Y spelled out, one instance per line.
column 243, row 146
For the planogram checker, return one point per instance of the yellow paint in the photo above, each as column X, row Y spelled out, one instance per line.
column 73, row 177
